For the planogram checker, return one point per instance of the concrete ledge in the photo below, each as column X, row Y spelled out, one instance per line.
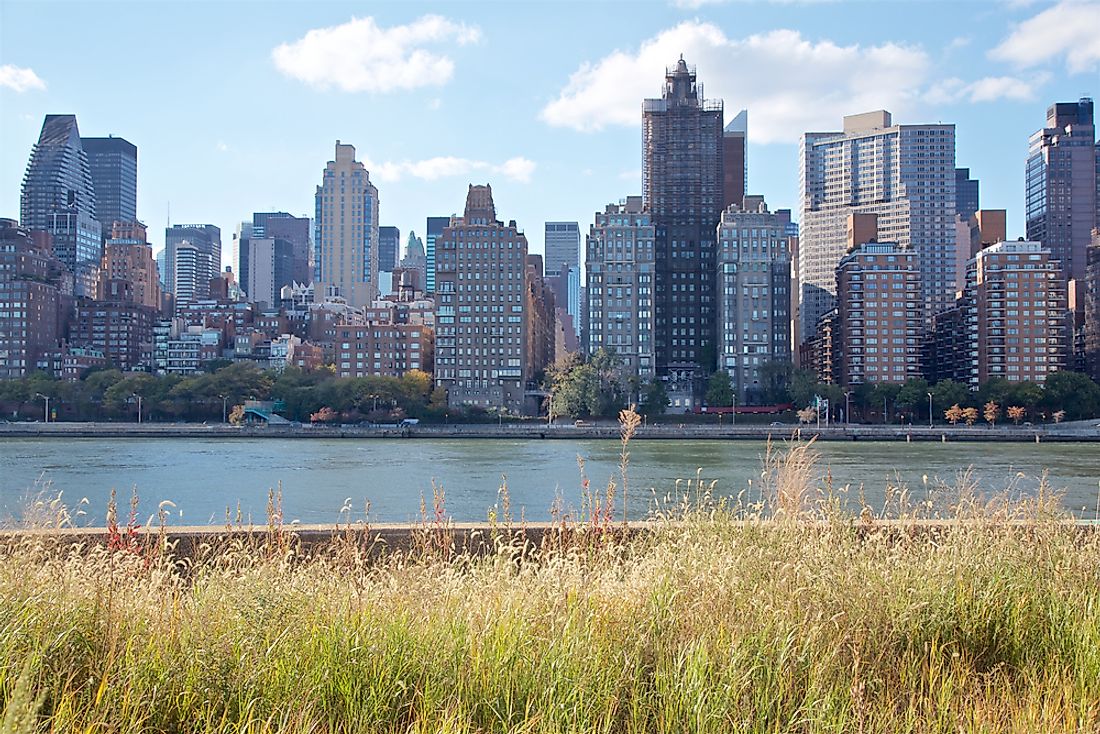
column 453, row 539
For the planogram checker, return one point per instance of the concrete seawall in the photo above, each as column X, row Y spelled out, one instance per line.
column 1083, row 431
column 377, row 541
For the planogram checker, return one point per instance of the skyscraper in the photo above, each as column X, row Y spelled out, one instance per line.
column 192, row 256
column 735, row 160
column 113, row 164
column 682, row 187
column 58, row 197
column 389, row 248
column 481, row 320
column 1061, row 203
column 296, row 231
column 903, row 173
column 562, row 266
column 416, row 260
column 32, row 298
column 754, row 300
column 347, row 231
column 433, row 233
column 966, row 194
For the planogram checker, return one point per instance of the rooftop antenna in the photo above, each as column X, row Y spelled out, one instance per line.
column 169, row 223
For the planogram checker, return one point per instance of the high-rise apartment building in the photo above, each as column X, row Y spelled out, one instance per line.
column 682, row 187
column 879, row 316
column 1016, row 319
column 481, row 322
column 192, row 257
column 905, row 174
column 268, row 268
column 33, row 299
column 389, row 248
column 539, row 307
column 58, row 197
column 434, row 231
column 735, row 152
column 1062, row 196
column 112, row 163
column 754, row 281
column 1091, row 316
column 347, row 231
column 619, row 264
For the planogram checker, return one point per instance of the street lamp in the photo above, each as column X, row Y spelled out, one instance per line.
column 733, row 415
column 225, row 399
column 929, row 410
column 47, row 399
column 884, row 410
column 847, row 406
column 138, row 399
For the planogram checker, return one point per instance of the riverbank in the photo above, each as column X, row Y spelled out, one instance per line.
column 714, row 623
column 1081, row 431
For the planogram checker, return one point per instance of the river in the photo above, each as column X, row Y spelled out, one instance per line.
column 202, row 478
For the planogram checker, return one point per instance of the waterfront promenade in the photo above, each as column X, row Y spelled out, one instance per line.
column 1080, row 431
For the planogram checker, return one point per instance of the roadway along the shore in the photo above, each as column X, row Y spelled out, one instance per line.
column 1081, row 431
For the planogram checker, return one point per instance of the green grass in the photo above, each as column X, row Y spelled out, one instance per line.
column 784, row 618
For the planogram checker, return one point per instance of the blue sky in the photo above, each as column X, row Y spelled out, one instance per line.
column 236, row 106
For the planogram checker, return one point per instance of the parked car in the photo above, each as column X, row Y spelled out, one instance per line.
column 409, row 422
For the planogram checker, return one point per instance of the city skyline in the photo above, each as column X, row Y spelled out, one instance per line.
column 570, row 145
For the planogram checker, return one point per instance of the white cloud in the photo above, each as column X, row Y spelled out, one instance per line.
column 19, row 79
column 791, row 84
column 221, row 147
column 1070, row 29
column 987, row 89
column 430, row 169
column 360, row 56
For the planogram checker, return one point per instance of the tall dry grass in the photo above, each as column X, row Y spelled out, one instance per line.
column 777, row 615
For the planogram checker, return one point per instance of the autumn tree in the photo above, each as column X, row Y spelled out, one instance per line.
column 236, row 416
column 1016, row 413
column 970, row 415
column 807, row 415
column 324, row 415
column 954, row 414
column 991, row 412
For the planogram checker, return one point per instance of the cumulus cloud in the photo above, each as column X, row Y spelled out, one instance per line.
column 19, row 79
column 790, row 83
column 361, row 56
column 1069, row 30
column 987, row 89
column 430, row 169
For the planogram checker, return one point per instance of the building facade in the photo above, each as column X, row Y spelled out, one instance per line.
column 33, row 301
column 347, row 231
column 389, row 248
column 192, row 256
column 128, row 259
column 1016, row 298
column 682, row 187
column 296, row 231
column 619, row 262
column 754, row 281
column 1091, row 308
column 1061, row 181
column 904, row 174
column 735, row 152
column 435, row 227
column 879, row 316
column 481, row 321
column 112, row 163
column 58, row 197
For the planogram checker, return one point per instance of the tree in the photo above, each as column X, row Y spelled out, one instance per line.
column 654, row 398
column 236, row 416
column 913, row 395
column 807, row 415
column 1073, row 393
column 991, row 412
column 775, row 377
column 953, row 414
column 1059, row 416
column 1016, row 412
column 588, row 390
column 970, row 415
column 803, row 386
column 948, row 393
column 719, row 390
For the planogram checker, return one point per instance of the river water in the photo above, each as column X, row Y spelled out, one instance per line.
column 202, row 478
